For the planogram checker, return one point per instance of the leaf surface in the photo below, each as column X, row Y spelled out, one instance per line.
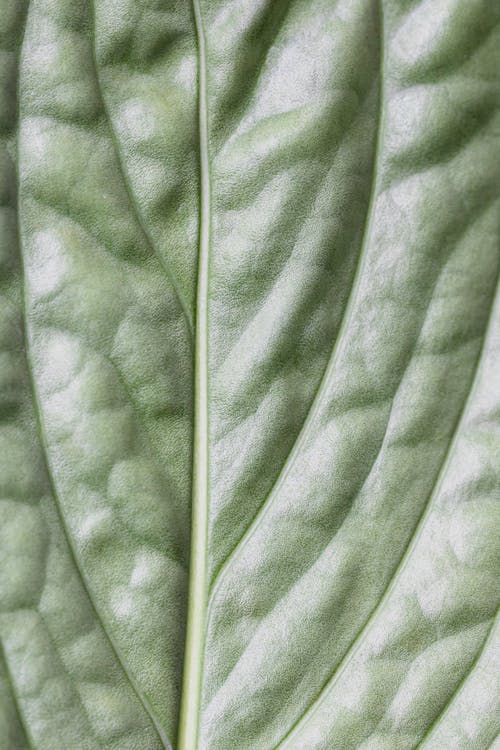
column 249, row 348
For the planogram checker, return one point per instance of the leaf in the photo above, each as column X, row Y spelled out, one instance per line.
column 249, row 341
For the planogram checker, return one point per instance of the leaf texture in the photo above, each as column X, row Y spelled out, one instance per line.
column 249, row 350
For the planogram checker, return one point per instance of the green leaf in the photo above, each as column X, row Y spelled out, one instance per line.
column 249, row 350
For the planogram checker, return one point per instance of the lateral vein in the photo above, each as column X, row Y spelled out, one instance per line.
column 406, row 554
column 329, row 371
column 45, row 454
column 461, row 684
column 128, row 185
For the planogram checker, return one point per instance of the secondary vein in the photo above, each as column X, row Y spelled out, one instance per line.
column 460, row 685
column 71, row 547
column 329, row 371
column 128, row 185
column 406, row 553
column 189, row 720
column 45, row 454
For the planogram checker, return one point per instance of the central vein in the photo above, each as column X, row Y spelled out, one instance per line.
column 195, row 631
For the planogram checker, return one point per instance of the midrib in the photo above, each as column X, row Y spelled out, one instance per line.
column 197, row 600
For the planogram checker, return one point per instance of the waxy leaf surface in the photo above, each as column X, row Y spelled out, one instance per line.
column 249, row 374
